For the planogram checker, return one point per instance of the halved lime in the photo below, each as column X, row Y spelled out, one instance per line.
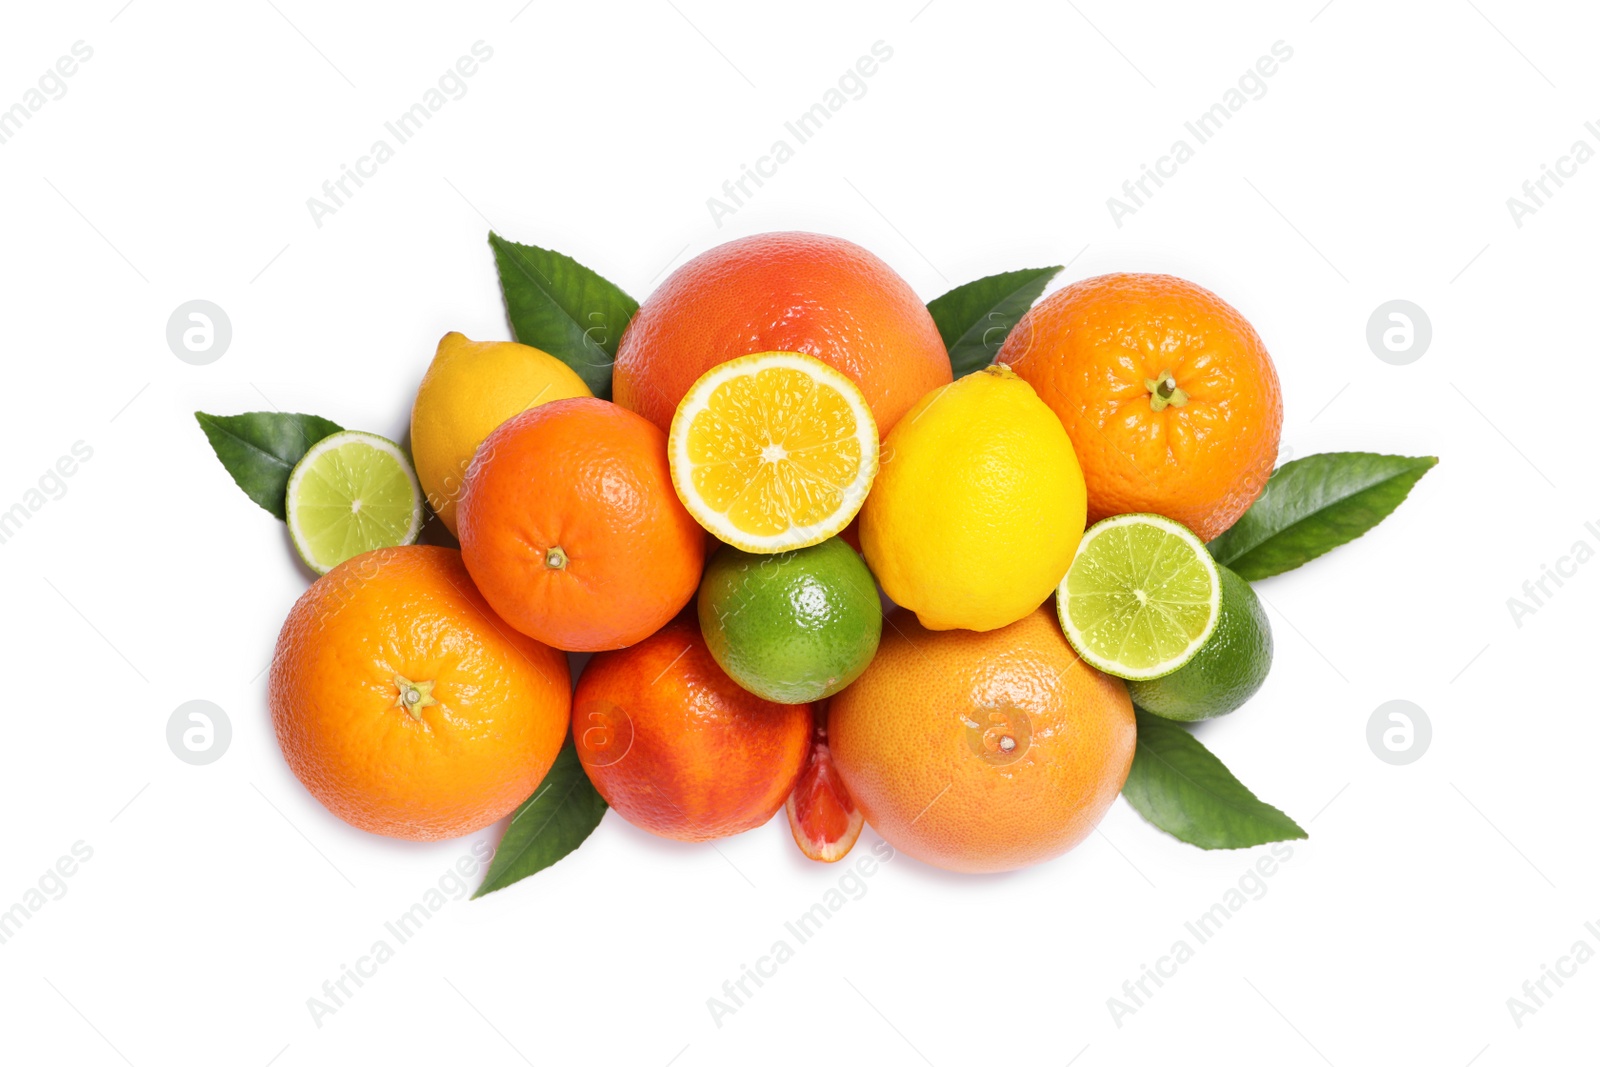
column 1141, row 597
column 350, row 493
column 1226, row 672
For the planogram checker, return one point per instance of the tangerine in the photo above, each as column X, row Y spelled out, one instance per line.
column 572, row 530
column 405, row 705
column 1168, row 394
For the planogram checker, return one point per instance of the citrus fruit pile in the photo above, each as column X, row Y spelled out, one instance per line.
column 956, row 571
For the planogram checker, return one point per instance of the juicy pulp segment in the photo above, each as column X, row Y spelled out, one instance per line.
column 774, row 451
column 351, row 493
column 1140, row 598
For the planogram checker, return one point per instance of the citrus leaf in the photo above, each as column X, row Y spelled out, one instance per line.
column 559, row 817
column 558, row 305
column 260, row 448
column 1315, row 504
column 1180, row 787
column 974, row 319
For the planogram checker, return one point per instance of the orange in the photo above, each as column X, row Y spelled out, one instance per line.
column 572, row 530
column 1168, row 394
column 676, row 747
column 782, row 292
column 823, row 819
column 405, row 706
column 981, row 752
column 773, row 451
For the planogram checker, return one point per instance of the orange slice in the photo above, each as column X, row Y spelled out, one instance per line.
column 824, row 820
column 773, row 451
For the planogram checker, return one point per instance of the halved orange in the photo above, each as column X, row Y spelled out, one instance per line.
column 773, row 451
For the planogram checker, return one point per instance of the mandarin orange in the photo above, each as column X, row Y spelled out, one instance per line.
column 405, row 705
column 572, row 530
column 1168, row 394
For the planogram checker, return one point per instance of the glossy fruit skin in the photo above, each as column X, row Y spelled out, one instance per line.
column 978, row 505
column 677, row 747
column 782, row 292
column 572, row 530
column 501, row 700
column 470, row 388
column 921, row 740
column 824, row 822
column 1089, row 350
column 794, row 627
column 1227, row 670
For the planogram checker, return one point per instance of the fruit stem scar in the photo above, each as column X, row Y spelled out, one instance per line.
column 413, row 696
column 1164, row 390
column 556, row 558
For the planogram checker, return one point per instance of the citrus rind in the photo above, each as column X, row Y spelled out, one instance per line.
column 296, row 511
column 694, row 411
column 1182, row 646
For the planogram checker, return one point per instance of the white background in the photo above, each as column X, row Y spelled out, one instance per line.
column 1377, row 166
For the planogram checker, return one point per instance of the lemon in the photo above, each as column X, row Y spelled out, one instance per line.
column 978, row 506
column 773, row 451
column 471, row 387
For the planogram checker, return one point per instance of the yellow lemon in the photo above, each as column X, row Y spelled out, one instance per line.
column 471, row 388
column 773, row 451
column 978, row 506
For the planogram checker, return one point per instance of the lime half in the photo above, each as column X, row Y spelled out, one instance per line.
column 350, row 493
column 1141, row 597
column 1226, row 672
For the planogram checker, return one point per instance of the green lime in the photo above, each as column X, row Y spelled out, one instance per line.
column 350, row 493
column 791, row 627
column 1141, row 597
column 1226, row 671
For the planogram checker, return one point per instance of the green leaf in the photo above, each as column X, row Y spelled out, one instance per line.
column 1180, row 787
column 260, row 448
column 974, row 319
column 558, row 305
column 559, row 817
column 1314, row 504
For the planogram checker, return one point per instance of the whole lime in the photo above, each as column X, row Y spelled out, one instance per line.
column 791, row 627
column 1227, row 670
